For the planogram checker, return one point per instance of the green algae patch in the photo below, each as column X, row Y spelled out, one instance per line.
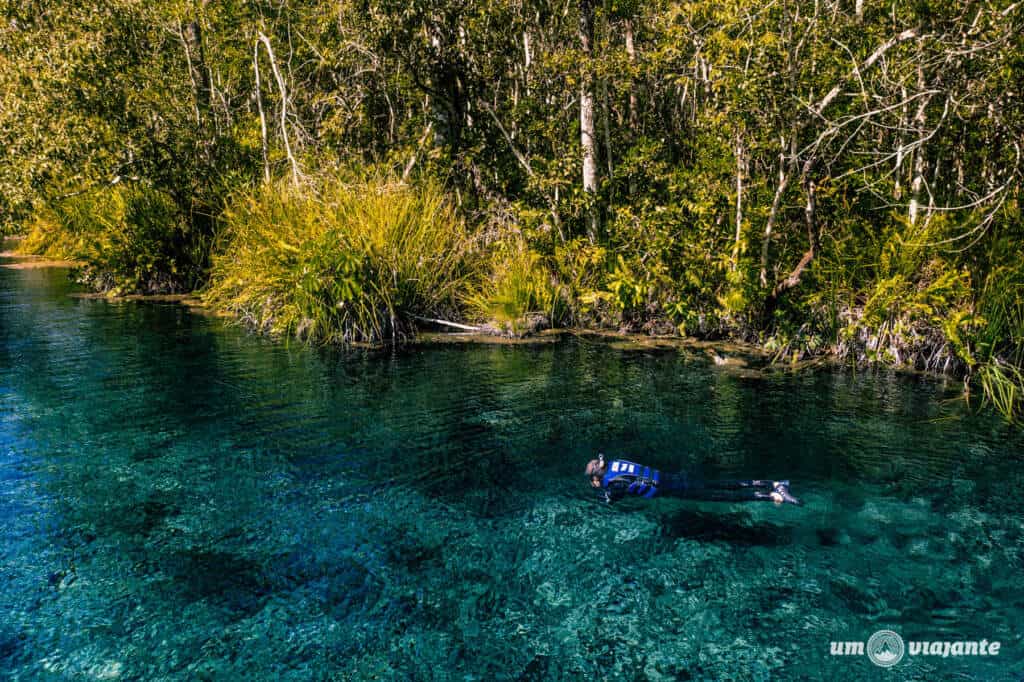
column 193, row 303
column 427, row 338
column 20, row 262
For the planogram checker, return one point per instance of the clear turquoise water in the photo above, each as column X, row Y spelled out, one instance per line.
column 181, row 500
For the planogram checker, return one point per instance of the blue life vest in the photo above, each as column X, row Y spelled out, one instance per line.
column 643, row 481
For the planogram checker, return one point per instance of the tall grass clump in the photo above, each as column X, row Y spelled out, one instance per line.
column 519, row 292
column 130, row 238
column 997, row 343
column 339, row 262
column 44, row 236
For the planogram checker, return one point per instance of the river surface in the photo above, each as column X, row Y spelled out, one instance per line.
column 180, row 499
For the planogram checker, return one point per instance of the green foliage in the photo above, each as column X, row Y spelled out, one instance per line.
column 354, row 261
column 1003, row 386
column 1001, row 309
column 518, row 286
column 133, row 239
column 995, row 339
column 712, row 122
column 580, row 267
column 44, row 236
column 902, row 300
column 629, row 285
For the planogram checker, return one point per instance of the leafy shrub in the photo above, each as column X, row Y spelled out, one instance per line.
column 518, row 286
column 580, row 268
column 903, row 313
column 44, row 236
column 994, row 339
column 131, row 238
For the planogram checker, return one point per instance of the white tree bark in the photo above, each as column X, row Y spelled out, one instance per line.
column 284, row 108
column 740, row 161
column 588, row 142
column 634, row 107
column 631, row 54
column 259, row 108
column 785, row 173
column 917, row 182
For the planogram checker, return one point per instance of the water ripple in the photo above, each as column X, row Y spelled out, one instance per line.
column 180, row 499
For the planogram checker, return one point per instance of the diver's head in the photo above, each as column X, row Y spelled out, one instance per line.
column 595, row 470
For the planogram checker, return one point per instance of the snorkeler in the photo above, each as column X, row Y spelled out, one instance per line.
column 620, row 478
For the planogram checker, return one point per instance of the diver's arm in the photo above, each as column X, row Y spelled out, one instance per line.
column 615, row 490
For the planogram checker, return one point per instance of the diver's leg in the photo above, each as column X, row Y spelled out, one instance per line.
column 728, row 495
column 730, row 484
column 777, row 492
column 691, row 488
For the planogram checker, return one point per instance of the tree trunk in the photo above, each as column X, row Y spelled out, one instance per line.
column 813, row 239
column 606, row 105
column 740, row 162
column 917, row 183
column 785, row 172
column 900, row 152
column 259, row 108
column 192, row 38
column 633, row 103
column 284, row 107
column 588, row 141
column 631, row 54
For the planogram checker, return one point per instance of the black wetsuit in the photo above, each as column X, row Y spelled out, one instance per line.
column 622, row 478
column 693, row 488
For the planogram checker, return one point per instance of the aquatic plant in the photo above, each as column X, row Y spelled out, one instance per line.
column 339, row 261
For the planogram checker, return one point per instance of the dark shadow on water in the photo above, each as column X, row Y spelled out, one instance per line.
column 11, row 644
column 729, row 527
column 233, row 582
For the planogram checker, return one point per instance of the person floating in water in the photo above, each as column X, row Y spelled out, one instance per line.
column 619, row 478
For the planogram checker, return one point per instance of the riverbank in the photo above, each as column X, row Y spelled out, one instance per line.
column 16, row 260
column 732, row 354
column 381, row 262
column 36, row 262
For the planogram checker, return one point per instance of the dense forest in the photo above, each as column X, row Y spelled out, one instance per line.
column 815, row 176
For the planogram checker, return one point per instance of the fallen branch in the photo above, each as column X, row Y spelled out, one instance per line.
column 445, row 323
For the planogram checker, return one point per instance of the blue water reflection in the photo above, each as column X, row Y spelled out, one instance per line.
column 181, row 499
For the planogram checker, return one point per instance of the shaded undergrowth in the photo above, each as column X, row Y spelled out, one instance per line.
column 132, row 239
